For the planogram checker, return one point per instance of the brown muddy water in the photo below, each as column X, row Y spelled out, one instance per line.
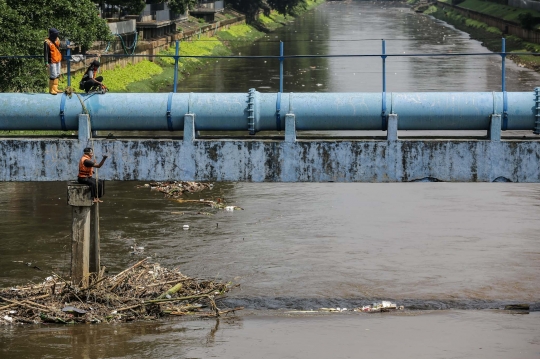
column 454, row 254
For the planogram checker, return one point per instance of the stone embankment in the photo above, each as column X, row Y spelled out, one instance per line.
column 490, row 30
column 506, row 27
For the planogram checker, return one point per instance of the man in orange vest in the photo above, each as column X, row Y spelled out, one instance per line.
column 86, row 170
column 53, row 59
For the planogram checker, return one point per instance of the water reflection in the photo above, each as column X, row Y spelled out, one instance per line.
column 165, row 339
column 457, row 334
column 357, row 27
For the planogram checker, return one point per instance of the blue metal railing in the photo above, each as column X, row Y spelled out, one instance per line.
column 281, row 57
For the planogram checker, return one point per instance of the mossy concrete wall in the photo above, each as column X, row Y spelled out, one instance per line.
column 276, row 161
column 506, row 27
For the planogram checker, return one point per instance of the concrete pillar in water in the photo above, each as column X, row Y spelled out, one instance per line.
column 79, row 198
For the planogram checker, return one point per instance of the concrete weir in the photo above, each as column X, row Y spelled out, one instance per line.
column 277, row 161
column 288, row 160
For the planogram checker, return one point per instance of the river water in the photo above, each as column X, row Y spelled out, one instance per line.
column 453, row 254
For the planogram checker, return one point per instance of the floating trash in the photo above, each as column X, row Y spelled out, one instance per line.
column 384, row 306
column 185, row 226
column 333, row 310
column 73, row 310
column 175, row 189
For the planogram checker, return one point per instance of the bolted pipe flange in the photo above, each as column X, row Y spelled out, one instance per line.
column 537, row 116
column 251, row 111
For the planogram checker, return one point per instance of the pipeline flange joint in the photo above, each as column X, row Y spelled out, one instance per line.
column 169, row 116
column 62, row 112
column 251, row 111
column 278, row 110
column 537, row 116
column 505, row 111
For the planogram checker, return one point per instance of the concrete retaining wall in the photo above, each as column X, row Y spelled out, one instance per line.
column 505, row 26
column 154, row 47
column 525, row 4
column 277, row 161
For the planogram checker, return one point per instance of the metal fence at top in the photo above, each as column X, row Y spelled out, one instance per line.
column 282, row 57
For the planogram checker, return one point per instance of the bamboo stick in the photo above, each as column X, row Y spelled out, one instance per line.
column 24, row 304
column 130, row 268
column 169, row 282
column 170, row 291
column 176, row 299
column 130, row 307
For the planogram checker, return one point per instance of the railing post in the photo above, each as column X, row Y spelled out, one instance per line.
column 176, row 57
column 281, row 59
column 503, row 85
column 503, row 56
column 383, row 112
column 68, row 58
column 383, row 65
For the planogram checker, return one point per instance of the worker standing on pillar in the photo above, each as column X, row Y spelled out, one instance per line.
column 86, row 171
column 53, row 59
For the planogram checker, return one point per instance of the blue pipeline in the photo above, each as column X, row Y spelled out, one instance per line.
column 232, row 112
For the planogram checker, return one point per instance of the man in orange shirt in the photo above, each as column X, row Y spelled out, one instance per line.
column 86, row 170
column 53, row 59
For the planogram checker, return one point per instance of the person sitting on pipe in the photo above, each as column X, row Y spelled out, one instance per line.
column 90, row 82
column 86, row 171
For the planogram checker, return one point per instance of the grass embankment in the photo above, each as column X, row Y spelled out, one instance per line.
column 488, row 35
column 221, row 44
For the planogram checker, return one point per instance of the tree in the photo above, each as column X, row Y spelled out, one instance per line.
column 249, row 7
column 528, row 21
column 181, row 6
column 16, row 74
column 76, row 20
column 286, row 7
column 25, row 25
column 252, row 7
